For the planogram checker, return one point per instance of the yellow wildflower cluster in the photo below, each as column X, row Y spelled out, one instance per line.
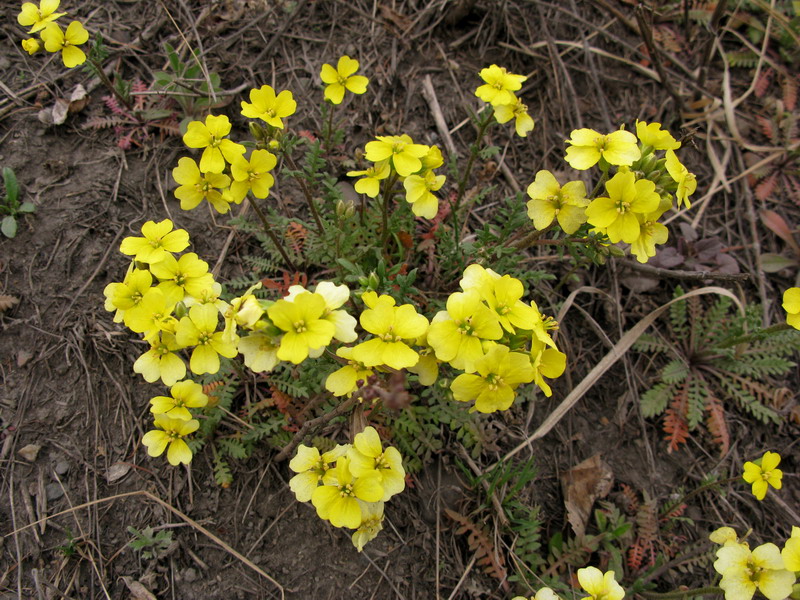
column 350, row 484
column 637, row 195
column 767, row 569
column 498, row 90
column 42, row 20
column 496, row 339
column 174, row 303
column 397, row 157
column 598, row 586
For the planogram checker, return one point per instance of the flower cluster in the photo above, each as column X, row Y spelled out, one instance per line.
column 637, row 194
column 42, row 20
column 599, row 586
column 350, row 484
column 767, row 568
column 224, row 175
column 496, row 339
column 397, row 157
column 498, row 90
column 173, row 303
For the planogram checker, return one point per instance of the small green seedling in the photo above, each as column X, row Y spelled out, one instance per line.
column 151, row 544
column 10, row 205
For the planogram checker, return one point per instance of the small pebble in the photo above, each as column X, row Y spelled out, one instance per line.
column 189, row 575
column 53, row 491
column 62, row 467
column 30, row 452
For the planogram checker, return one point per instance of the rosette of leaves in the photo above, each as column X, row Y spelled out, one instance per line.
column 704, row 375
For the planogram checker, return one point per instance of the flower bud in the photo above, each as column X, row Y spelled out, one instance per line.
column 31, row 45
column 345, row 209
column 180, row 310
column 616, row 251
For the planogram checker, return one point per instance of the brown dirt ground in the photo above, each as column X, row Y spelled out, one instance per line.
column 67, row 382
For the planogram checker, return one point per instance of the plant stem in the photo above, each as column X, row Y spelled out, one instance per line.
column 755, row 336
column 313, row 423
column 329, row 130
column 107, row 82
column 306, row 192
column 483, row 125
column 712, row 589
column 271, row 234
column 387, row 197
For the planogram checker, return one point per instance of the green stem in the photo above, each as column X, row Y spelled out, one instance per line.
column 387, row 197
column 271, row 234
column 107, row 82
column 712, row 589
column 755, row 336
column 329, row 130
column 306, row 193
column 483, row 125
column 707, row 486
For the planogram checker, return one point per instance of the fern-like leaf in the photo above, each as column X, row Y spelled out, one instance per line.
column 675, row 424
column 486, row 554
column 716, row 423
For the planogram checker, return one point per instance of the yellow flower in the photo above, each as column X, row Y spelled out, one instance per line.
column 152, row 315
column 687, row 182
column 260, row 351
column 549, row 201
column 37, row 17
column 764, row 473
column 344, row 381
column 31, row 45
column 791, row 304
column 199, row 329
column 370, row 182
column 127, row 295
column 791, row 551
column 599, row 585
column 268, row 107
column 587, row 146
column 335, row 297
column 499, row 373
column 367, row 456
column 744, row 571
column 547, row 362
column 371, row 524
column 161, row 362
column 724, row 536
column 418, row 193
column 184, row 395
column 305, row 327
column 158, row 241
column 650, row 234
column 651, row 134
column 311, row 468
column 392, row 326
column 403, row 153
column 185, row 276
column 253, row 175
column 499, row 85
column 456, row 334
column 170, row 433
column 67, row 41
column 342, row 78
column 337, row 500
column 523, row 123
column 195, row 186
column 211, row 136
column 617, row 212
column 543, row 594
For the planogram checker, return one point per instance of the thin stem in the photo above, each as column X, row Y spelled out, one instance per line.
column 462, row 183
column 314, row 423
column 755, row 336
column 387, row 197
column 271, row 234
column 712, row 589
column 107, row 82
column 329, row 130
column 306, row 192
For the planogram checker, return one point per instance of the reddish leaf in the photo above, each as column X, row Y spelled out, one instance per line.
column 790, row 93
column 717, row 425
column 776, row 223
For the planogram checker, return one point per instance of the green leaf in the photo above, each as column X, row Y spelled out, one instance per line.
column 654, row 401
column 27, row 207
column 675, row 371
column 772, row 263
column 12, row 187
column 174, row 61
column 9, row 226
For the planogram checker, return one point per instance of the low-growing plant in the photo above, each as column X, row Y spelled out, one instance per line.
column 10, row 205
column 149, row 543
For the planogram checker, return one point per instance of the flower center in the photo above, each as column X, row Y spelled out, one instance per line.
column 299, row 326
